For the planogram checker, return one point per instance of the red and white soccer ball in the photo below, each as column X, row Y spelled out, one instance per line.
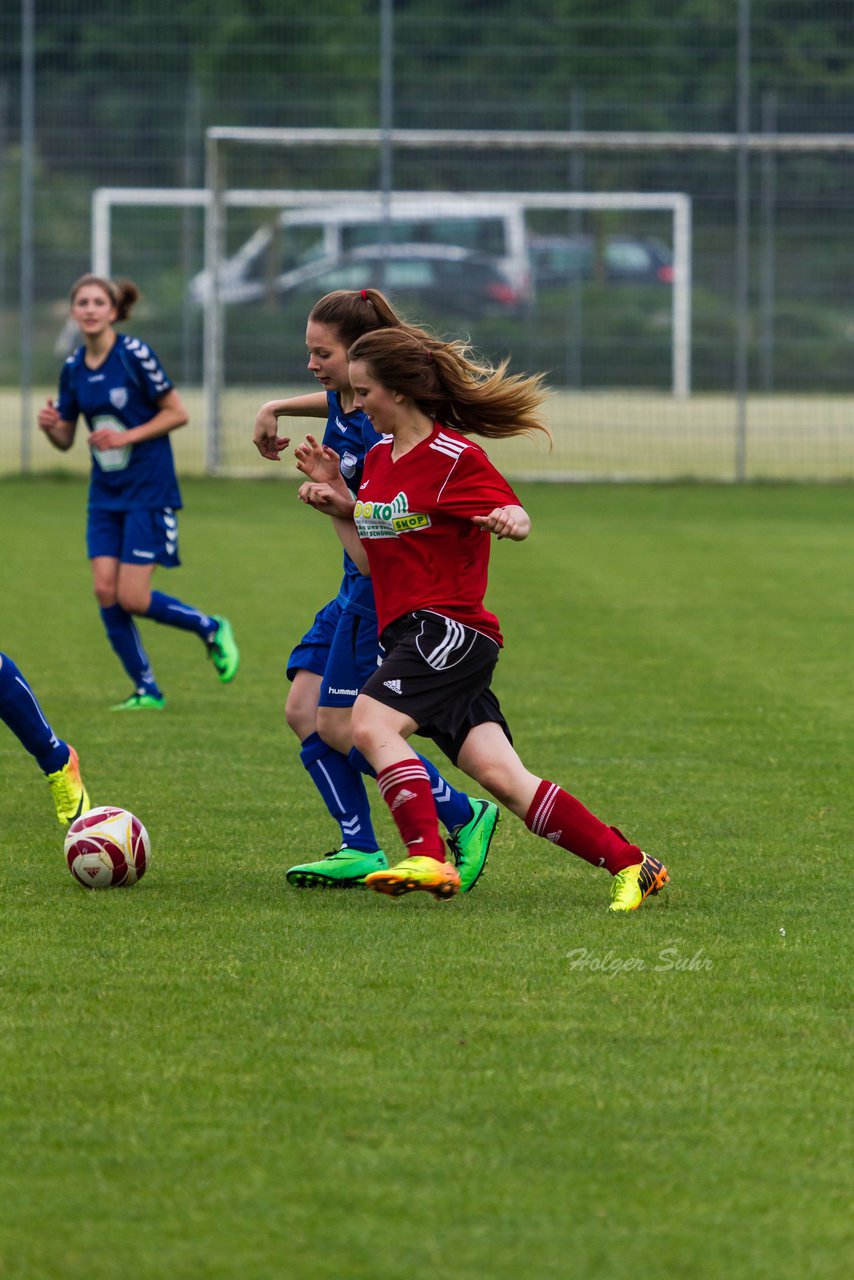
column 107, row 848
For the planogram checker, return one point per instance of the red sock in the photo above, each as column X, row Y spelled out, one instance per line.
column 405, row 787
column 557, row 816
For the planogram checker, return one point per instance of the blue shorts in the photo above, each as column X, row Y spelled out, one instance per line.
column 341, row 647
column 134, row 537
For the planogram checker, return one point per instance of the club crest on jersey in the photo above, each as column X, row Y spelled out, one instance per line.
column 348, row 464
column 118, row 397
column 387, row 519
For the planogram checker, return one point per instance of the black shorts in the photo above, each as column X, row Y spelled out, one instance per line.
column 437, row 672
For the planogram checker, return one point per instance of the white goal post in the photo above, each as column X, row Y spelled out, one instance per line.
column 105, row 199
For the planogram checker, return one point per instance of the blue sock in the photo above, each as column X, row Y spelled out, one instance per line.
column 174, row 613
column 124, row 637
column 453, row 807
column 20, row 710
column 343, row 792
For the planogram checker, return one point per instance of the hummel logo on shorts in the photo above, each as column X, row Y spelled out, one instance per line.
column 394, row 685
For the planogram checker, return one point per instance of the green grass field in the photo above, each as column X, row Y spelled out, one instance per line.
column 213, row 1076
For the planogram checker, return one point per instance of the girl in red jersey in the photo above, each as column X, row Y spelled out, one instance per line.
column 427, row 498
column 339, row 650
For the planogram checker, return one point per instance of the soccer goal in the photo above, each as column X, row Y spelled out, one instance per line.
column 707, row 376
column 228, row 161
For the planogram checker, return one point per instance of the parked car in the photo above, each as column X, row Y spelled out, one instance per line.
column 303, row 235
column 558, row 259
column 440, row 278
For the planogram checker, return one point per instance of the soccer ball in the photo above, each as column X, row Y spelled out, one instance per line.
column 107, row 848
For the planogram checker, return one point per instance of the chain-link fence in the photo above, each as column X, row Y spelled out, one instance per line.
column 122, row 100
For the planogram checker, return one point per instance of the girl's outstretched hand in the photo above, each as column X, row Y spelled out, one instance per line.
column 506, row 522
column 319, row 462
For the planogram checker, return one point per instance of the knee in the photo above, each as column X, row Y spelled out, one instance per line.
column 333, row 725
column 511, row 785
column 300, row 718
column 497, row 782
column 133, row 600
column 106, row 594
column 362, row 735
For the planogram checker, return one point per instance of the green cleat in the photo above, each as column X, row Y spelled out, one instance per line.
column 342, row 869
column 141, row 702
column 470, row 844
column 223, row 650
column 631, row 885
column 439, row 878
column 69, row 794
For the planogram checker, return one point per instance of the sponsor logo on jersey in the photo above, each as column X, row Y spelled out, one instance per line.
column 404, row 524
column 388, row 519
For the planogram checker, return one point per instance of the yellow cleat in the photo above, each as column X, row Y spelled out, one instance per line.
column 69, row 793
column 631, row 885
column 439, row 878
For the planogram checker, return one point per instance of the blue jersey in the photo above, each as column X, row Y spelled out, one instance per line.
column 351, row 435
column 122, row 392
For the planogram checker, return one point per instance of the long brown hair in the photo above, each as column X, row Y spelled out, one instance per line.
column 448, row 383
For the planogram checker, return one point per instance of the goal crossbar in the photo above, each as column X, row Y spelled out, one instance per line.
column 556, row 139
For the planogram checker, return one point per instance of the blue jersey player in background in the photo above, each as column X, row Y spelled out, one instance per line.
column 338, row 653
column 21, row 711
column 130, row 406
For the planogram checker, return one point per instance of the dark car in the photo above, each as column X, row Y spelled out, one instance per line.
column 441, row 278
column 558, row 259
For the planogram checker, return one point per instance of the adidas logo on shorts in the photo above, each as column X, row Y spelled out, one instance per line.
column 394, row 685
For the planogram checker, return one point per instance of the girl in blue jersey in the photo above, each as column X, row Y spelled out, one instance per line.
column 130, row 406
column 340, row 650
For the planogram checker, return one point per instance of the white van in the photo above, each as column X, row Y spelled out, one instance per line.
column 487, row 225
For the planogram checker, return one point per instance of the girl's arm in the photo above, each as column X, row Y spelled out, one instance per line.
column 352, row 544
column 506, row 522
column 170, row 414
column 266, row 436
column 59, row 432
column 323, row 497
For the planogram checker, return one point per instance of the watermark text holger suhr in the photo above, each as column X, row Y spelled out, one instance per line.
column 670, row 959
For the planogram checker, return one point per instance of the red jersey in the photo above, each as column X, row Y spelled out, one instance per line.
column 414, row 517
